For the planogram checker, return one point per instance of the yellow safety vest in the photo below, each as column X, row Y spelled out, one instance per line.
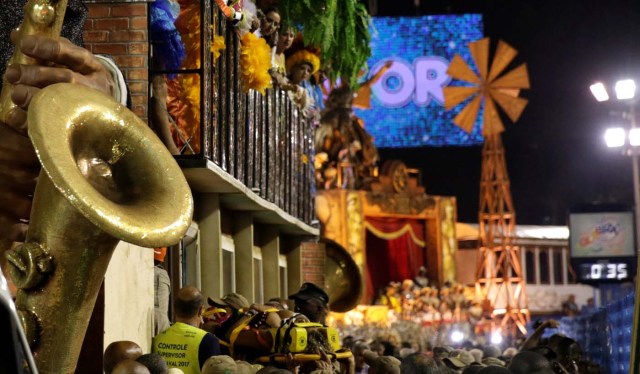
column 178, row 346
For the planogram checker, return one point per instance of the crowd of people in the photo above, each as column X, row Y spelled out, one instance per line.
column 429, row 305
column 229, row 335
column 232, row 335
column 239, row 336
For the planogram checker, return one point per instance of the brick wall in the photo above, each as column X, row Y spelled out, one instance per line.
column 120, row 30
column 312, row 257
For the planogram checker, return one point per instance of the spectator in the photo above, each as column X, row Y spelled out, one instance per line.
column 348, row 341
column 119, row 351
column 278, row 303
column 569, row 307
column 312, row 301
column 418, row 363
column 130, row 367
column 422, row 280
column 154, row 363
column 491, row 351
column 477, row 354
column 459, row 359
column 473, row 369
column 589, row 307
column 381, row 364
column 184, row 345
column 358, row 355
column 219, row 364
column 162, row 288
column 528, row 362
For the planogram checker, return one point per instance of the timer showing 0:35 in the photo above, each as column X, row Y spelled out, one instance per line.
column 604, row 271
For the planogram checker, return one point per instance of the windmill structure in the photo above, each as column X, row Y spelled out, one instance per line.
column 499, row 274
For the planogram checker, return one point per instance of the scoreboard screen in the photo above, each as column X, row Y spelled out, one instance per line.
column 603, row 243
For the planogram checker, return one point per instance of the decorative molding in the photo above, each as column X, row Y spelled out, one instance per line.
column 392, row 203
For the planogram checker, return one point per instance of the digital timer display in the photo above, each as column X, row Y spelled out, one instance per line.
column 603, row 243
column 604, row 271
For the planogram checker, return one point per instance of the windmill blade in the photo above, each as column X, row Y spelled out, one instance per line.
column 491, row 119
column 459, row 69
column 516, row 78
column 504, row 55
column 512, row 106
column 480, row 52
column 468, row 115
column 454, row 95
column 513, row 92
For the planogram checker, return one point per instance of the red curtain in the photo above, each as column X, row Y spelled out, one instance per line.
column 395, row 251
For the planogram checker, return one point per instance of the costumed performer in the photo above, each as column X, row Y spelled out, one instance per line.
column 269, row 25
column 302, row 63
column 279, row 66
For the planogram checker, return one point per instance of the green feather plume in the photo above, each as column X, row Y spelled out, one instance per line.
column 339, row 28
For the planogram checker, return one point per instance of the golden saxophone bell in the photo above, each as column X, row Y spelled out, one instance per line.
column 106, row 177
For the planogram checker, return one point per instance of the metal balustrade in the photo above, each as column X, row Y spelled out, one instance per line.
column 263, row 142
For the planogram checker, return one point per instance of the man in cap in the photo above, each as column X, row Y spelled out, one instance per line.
column 312, row 301
column 231, row 302
column 219, row 365
column 184, row 345
column 459, row 359
column 381, row 364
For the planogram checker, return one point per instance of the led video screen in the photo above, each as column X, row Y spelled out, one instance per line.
column 602, row 234
column 407, row 103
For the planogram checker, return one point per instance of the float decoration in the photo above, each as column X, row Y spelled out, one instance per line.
column 229, row 12
column 164, row 35
column 255, row 62
column 217, row 46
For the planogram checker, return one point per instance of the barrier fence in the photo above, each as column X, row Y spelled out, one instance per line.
column 605, row 335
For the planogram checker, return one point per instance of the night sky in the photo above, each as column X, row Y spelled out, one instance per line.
column 556, row 155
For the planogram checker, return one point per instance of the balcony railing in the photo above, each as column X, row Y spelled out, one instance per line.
column 264, row 142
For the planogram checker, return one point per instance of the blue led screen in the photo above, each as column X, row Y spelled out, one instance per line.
column 407, row 103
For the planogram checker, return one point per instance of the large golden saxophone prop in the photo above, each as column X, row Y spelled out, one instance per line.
column 105, row 177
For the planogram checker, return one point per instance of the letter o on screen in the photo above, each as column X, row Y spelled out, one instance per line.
column 395, row 95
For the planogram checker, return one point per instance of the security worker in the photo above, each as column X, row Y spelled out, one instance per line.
column 184, row 345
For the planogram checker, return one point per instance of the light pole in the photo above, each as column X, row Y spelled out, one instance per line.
column 617, row 137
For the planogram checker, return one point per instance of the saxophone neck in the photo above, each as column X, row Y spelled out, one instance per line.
column 43, row 17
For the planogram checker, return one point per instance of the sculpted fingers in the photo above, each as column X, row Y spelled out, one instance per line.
column 38, row 76
column 59, row 52
column 17, row 121
column 91, row 72
column 22, row 95
column 77, row 58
